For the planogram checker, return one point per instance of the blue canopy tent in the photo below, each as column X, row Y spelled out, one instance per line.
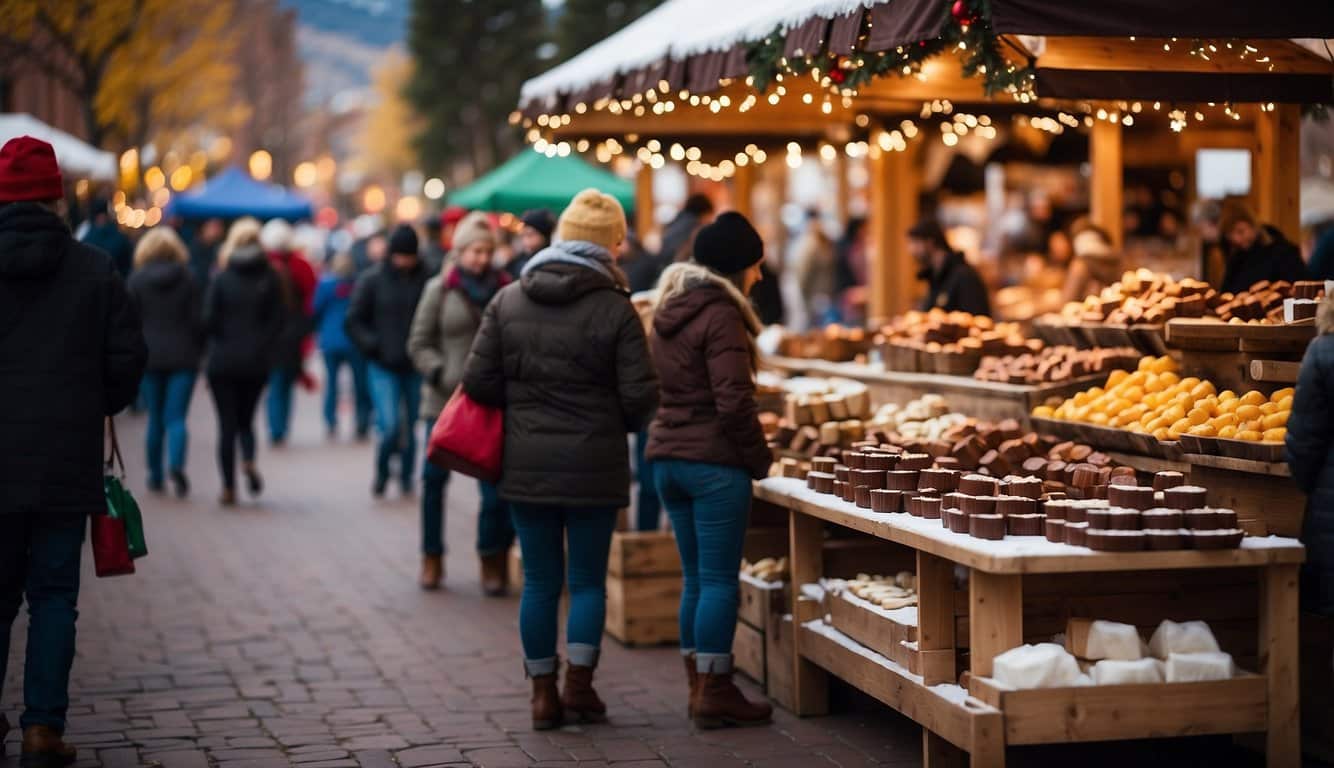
column 233, row 194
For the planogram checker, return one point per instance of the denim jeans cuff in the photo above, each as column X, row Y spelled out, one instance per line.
column 537, row 667
column 713, row 663
column 583, row 655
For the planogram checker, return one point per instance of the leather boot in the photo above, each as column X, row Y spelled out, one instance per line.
column 494, row 575
column 433, row 571
column 44, row 748
column 579, row 698
column 692, row 677
column 720, row 704
column 547, row 711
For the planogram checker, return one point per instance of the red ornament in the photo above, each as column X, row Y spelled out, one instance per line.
column 836, row 75
column 960, row 11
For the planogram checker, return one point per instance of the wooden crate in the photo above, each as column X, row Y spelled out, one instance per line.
column 748, row 652
column 759, row 601
column 894, row 639
column 643, row 588
column 779, row 658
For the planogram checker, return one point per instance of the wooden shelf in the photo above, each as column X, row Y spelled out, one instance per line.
column 1231, row 464
column 1015, row 555
column 1278, row 371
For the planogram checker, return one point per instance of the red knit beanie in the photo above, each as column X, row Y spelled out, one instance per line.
column 28, row 171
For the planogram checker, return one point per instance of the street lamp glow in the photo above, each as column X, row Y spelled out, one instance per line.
column 408, row 208
column 373, row 199
column 181, row 178
column 154, row 178
column 434, row 188
column 305, row 174
column 261, row 165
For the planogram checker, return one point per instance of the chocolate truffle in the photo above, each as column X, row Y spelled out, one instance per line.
column 885, row 501
column 990, row 527
column 1184, row 497
column 1025, row 525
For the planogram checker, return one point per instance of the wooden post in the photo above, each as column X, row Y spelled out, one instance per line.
column 644, row 201
column 810, row 683
column 743, row 190
column 935, row 618
column 1107, row 181
column 1277, row 169
column 1279, row 662
column 841, row 191
column 938, row 753
column 995, row 617
column 894, row 184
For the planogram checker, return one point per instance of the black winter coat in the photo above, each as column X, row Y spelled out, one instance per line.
column 244, row 314
column 956, row 288
column 71, row 354
column 169, row 301
column 563, row 352
column 379, row 317
column 1272, row 257
column 1310, row 445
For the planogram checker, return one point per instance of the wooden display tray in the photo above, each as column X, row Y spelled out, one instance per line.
column 1148, row 338
column 1216, row 335
column 1109, row 438
column 1236, row 449
column 858, row 619
column 1108, row 712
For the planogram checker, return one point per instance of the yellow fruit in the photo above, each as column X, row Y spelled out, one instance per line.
column 1164, row 364
column 1146, row 363
column 1044, row 411
column 1248, row 412
column 1116, row 377
column 1161, row 434
column 1174, row 413
column 1202, row 389
column 1197, row 416
column 1227, row 432
column 1279, row 394
column 1224, row 420
column 1226, row 395
column 1180, row 425
column 1081, row 398
column 1229, row 406
column 1250, row 426
column 1168, row 379
column 1098, row 418
column 1202, row 430
column 1274, row 420
column 1253, row 398
column 1284, row 403
column 1275, row 435
column 1249, row 434
column 1268, row 408
column 1133, row 393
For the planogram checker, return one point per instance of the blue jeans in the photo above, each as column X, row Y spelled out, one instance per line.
column 39, row 555
column 279, row 406
column 166, row 394
column 648, row 508
column 495, row 530
column 544, row 533
column 709, row 505
column 396, row 396
column 334, row 360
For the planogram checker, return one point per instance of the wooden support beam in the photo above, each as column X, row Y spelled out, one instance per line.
column 842, row 193
column 1278, row 662
column 995, row 617
column 1277, row 169
column 743, row 191
column 810, row 683
column 1107, row 180
column 895, row 181
column 935, row 618
column 644, row 223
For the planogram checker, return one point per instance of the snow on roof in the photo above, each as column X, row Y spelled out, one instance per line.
column 680, row 28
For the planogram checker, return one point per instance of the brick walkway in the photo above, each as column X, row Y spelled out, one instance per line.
column 291, row 632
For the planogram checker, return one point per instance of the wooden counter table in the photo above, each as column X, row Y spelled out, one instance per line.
column 983, row 719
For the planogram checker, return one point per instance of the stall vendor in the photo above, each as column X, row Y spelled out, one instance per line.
column 952, row 283
column 1095, row 266
column 1256, row 252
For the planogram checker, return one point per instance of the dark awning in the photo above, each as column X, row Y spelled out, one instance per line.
column 1163, row 18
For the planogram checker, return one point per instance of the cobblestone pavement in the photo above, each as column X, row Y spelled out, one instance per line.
column 290, row 632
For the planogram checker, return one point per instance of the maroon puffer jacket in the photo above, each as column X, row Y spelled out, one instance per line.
column 703, row 348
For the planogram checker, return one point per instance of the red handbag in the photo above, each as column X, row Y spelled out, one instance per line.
column 111, row 546
column 468, row 437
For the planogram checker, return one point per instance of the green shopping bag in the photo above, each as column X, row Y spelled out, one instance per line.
column 120, row 502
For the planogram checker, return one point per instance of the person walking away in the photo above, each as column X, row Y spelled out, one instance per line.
column 817, row 272
column 333, row 295
column 379, row 320
column 433, row 251
column 708, row 444
column 563, row 353
column 298, row 282
column 447, row 319
column 171, row 305
column 244, row 315
column 538, row 224
column 952, row 283
column 104, row 232
column 1255, row 252
column 1095, row 265
column 204, row 251
column 71, row 354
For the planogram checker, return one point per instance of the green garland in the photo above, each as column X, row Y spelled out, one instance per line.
column 980, row 57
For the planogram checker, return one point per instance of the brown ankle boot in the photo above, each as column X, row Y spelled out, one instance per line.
column 494, row 577
column 692, row 677
column 579, row 698
column 433, row 571
column 720, row 704
column 44, row 748
column 547, row 710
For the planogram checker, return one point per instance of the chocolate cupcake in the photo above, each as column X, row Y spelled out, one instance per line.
column 1185, row 497
column 1217, row 539
column 886, row 501
column 1025, row 525
column 1076, row 533
column 1130, row 496
column 1085, row 476
column 823, row 464
column 928, row 507
column 861, row 496
column 914, row 461
column 901, row 480
column 1016, row 505
column 991, row 527
column 978, row 485
column 842, row 472
column 849, row 492
column 854, row 459
column 956, row 520
column 954, row 500
column 1030, row 487
column 979, row 505
column 879, row 461
column 1165, row 539
column 1123, row 476
column 1115, row 540
column 1057, row 509
column 948, row 462
column 943, row 480
column 821, row 482
column 868, row 478
column 1054, row 529
column 1114, row 519
column 1162, row 519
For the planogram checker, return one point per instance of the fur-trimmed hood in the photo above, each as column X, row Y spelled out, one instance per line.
column 1324, row 319
column 685, row 289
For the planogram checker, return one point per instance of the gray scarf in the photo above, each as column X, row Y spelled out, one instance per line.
column 580, row 253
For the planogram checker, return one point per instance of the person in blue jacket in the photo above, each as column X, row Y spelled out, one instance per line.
column 1310, row 444
column 333, row 294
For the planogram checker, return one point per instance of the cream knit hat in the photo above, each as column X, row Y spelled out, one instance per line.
column 593, row 217
column 474, row 228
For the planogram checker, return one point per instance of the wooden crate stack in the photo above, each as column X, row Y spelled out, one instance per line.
column 643, row 588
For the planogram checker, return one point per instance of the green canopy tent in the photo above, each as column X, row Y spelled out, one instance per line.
column 533, row 180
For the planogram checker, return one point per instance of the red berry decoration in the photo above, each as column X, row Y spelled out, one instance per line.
column 837, row 75
column 960, row 10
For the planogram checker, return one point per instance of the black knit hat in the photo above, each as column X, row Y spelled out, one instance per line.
column 541, row 220
column 403, row 240
column 929, row 229
column 729, row 245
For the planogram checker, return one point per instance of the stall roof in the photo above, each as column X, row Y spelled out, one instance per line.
column 533, row 180
column 77, row 158
column 233, row 194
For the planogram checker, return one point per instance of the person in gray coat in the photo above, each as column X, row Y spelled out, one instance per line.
column 447, row 319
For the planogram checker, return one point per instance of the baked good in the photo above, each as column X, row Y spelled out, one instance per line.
column 1130, row 496
column 868, row 478
column 991, row 527
column 1054, row 529
column 956, row 520
column 979, row 505
column 1162, row 519
column 978, row 485
column 943, row 480
column 861, row 496
column 900, row 479
column 1114, row 519
column 1217, row 539
column 1168, row 478
column 886, row 501
column 1076, row 533
column 928, row 507
column 1184, row 497
column 1165, row 539
column 1114, row 540
column 821, row 482
column 1025, row 524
